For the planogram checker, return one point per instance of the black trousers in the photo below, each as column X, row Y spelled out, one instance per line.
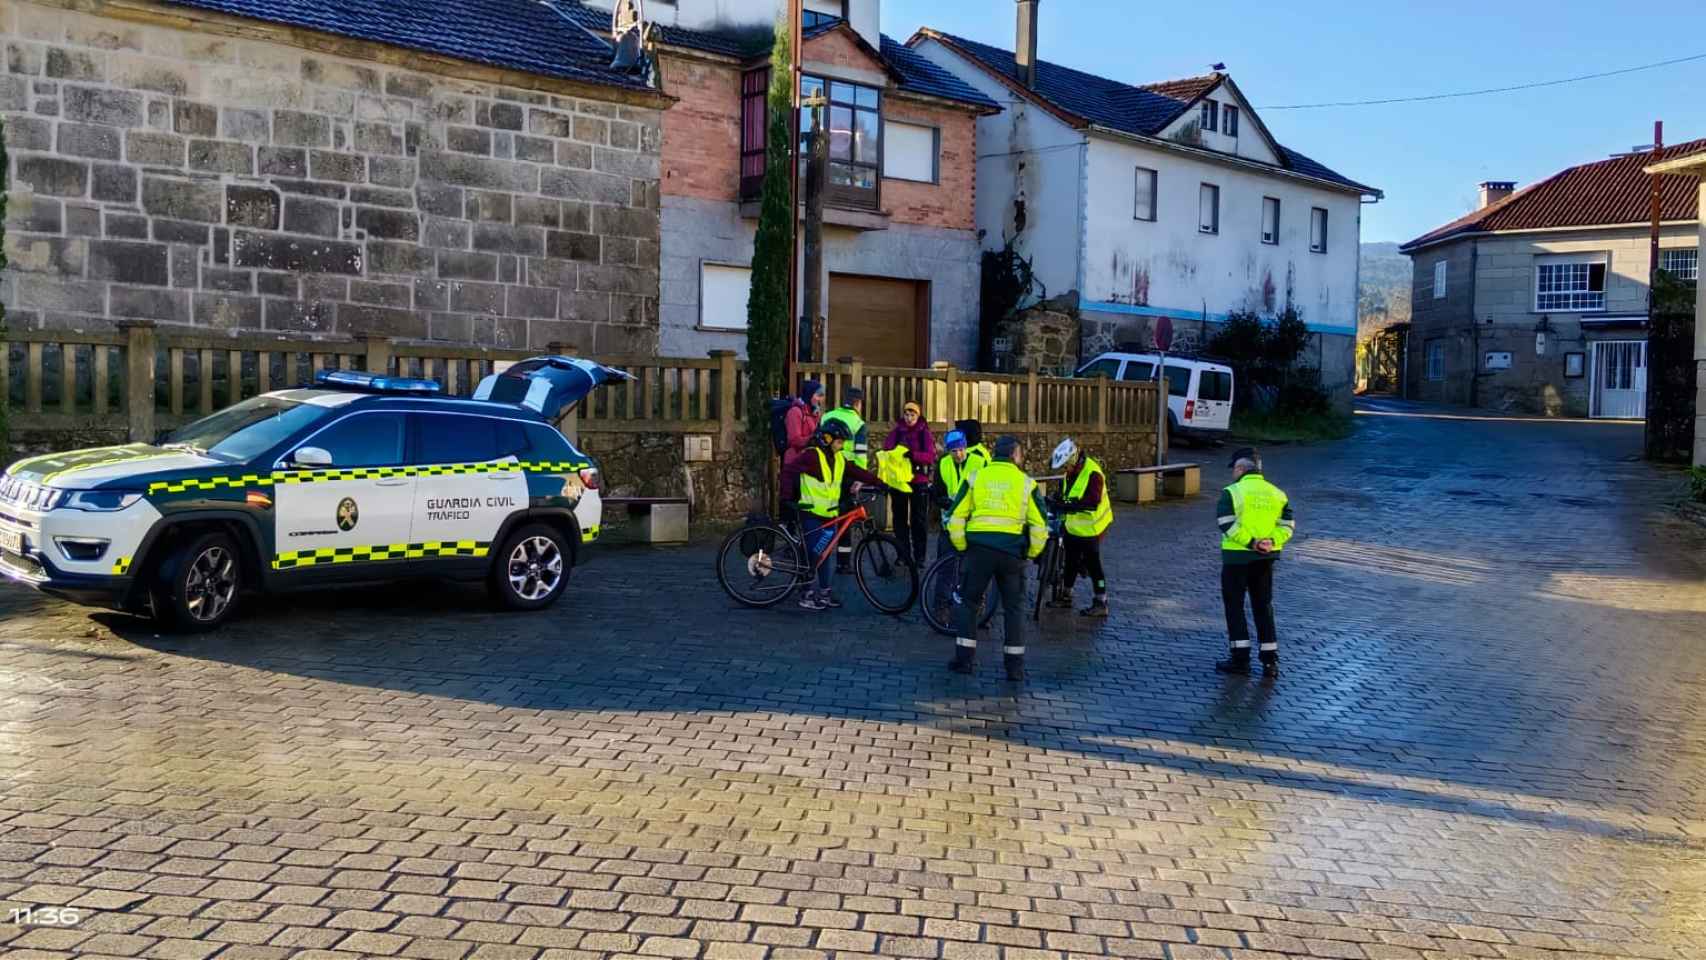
column 1084, row 556
column 912, row 522
column 1257, row 580
column 983, row 564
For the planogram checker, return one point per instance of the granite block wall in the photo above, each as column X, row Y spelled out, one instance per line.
column 223, row 181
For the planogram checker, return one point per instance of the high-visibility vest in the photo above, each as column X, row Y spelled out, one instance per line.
column 1091, row 522
column 998, row 499
column 955, row 475
column 895, row 468
column 855, row 424
column 823, row 497
column 1258, row 505
column 977, row 457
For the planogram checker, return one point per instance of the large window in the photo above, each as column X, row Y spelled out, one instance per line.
column 855, row 124
column 451, row 438
column 723, row 291
column 1229, row 120
column 1573, row 283
column 1208, row 208
column 910, row 151
column 1145, row 206
column 1209, row 119
column 1270, row 220
column 363, row 440
column 754, row 121
column 1682, row 263
column 1439, row 279
column 1317, row 230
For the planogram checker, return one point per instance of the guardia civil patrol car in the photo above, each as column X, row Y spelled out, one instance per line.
column 358, row 478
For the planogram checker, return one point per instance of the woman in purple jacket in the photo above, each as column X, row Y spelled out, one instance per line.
column 912, row 508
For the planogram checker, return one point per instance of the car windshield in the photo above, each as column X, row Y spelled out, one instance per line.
column 1105, row 367
column 242, row 431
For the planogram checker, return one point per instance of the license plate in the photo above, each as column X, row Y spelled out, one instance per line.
column 12, row 541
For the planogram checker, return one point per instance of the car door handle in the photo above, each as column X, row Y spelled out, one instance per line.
column 399, row 482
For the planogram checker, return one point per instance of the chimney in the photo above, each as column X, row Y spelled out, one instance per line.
column 1025, row 42
column 1492, row 191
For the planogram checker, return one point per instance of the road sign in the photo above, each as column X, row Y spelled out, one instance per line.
column 1164, row 333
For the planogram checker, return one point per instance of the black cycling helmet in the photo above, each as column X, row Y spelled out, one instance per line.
column 834, row 430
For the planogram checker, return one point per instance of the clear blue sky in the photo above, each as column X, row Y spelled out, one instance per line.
column 1427, row 157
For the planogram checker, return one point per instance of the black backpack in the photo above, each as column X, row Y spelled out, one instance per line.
column 779, row 408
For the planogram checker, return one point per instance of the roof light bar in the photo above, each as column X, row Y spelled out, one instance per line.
column 373, row 383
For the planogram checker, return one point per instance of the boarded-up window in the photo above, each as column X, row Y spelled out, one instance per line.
column 723, row 290
column 909, row 151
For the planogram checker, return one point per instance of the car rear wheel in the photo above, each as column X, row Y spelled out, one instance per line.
column 532, row 568
column 199, row 584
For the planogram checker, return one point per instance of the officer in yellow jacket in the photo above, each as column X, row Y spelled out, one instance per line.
column 997, row 522
column 1255, row 525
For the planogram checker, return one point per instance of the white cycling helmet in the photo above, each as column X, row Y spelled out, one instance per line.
column 1063, row 454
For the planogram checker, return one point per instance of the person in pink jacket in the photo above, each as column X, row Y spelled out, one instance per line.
column 912, row 508
column 802, row 420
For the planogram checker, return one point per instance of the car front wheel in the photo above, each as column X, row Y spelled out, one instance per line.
column 199, row 584
column 532, row 568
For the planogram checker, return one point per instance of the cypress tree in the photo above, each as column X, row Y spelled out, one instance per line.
column 767, row 304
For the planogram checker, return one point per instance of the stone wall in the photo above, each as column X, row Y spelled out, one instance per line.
column 1045, row 338
column 209, row 178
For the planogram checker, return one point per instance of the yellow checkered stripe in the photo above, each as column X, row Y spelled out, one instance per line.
column 212, row 483
column 121, row 567
column 362, row 473
column 391, row 551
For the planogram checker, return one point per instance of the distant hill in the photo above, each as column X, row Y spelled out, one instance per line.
column 1384, row 296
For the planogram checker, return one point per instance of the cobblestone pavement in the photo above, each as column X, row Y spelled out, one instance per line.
column 1489, row 742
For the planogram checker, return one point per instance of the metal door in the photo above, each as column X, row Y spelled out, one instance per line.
column 1619, row 379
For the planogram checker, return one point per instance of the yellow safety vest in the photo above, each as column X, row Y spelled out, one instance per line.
column 977, row 458
column 855, row 423
column 895, row 468
column 823, row 497
column 1258, row 506
column 1090, row 523
column 1001, row 500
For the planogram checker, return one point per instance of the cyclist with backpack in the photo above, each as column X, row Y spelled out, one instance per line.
column 794, row 420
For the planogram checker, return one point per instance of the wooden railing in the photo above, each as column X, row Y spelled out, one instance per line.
column 139, row 379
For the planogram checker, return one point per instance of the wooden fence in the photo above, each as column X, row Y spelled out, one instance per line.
column 140, row 379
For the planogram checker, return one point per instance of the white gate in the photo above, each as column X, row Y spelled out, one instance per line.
column 1619, row 379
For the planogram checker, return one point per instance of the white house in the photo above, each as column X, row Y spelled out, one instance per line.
column 1167, row 199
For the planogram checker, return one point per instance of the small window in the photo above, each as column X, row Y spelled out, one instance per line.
column 1178, row 381
column 754, row 121
column 723, row 292
column 1229, row 121
column 1682, row 263
column 1208, row 208
column 1145, row 207
column 1317, row 230
column 1210, row 116
column 363, row 440
column 1138, row 371
column 1270, row 220
column 1439, row 280
column 1436, row 359
column 1214, row 385
column 1105, row 367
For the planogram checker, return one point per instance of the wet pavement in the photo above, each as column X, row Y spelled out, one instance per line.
column 1489, row 741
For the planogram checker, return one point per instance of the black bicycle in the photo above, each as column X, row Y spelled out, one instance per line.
column 1051, row 566
column 941, row 596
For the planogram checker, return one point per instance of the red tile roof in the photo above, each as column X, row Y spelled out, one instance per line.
column 1186, row 89
column 1613, row 191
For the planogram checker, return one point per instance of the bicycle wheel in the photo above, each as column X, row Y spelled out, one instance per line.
column 761, row 565
column 940, row 596
column 886, row 578
column 1048, row 575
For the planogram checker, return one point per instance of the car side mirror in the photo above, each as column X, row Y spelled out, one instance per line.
column 311, row 457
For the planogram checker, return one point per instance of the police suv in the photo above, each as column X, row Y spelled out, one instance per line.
column 360, row 478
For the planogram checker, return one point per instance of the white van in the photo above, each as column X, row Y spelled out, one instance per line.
column 1199, row 392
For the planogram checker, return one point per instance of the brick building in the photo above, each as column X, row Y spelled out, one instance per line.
column 1537, row 300
column 467, row 170
column 901, row 253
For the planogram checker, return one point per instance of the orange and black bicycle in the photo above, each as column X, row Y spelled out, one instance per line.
column 763, row 563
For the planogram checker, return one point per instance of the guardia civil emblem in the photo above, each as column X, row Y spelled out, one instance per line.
column 347, row 514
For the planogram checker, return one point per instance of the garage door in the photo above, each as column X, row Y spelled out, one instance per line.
column 879, row 320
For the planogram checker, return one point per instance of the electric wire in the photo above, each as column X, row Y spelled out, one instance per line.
column 1489, row 90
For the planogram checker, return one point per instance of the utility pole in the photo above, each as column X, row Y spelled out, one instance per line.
column 796, row 20
column 817, row 175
